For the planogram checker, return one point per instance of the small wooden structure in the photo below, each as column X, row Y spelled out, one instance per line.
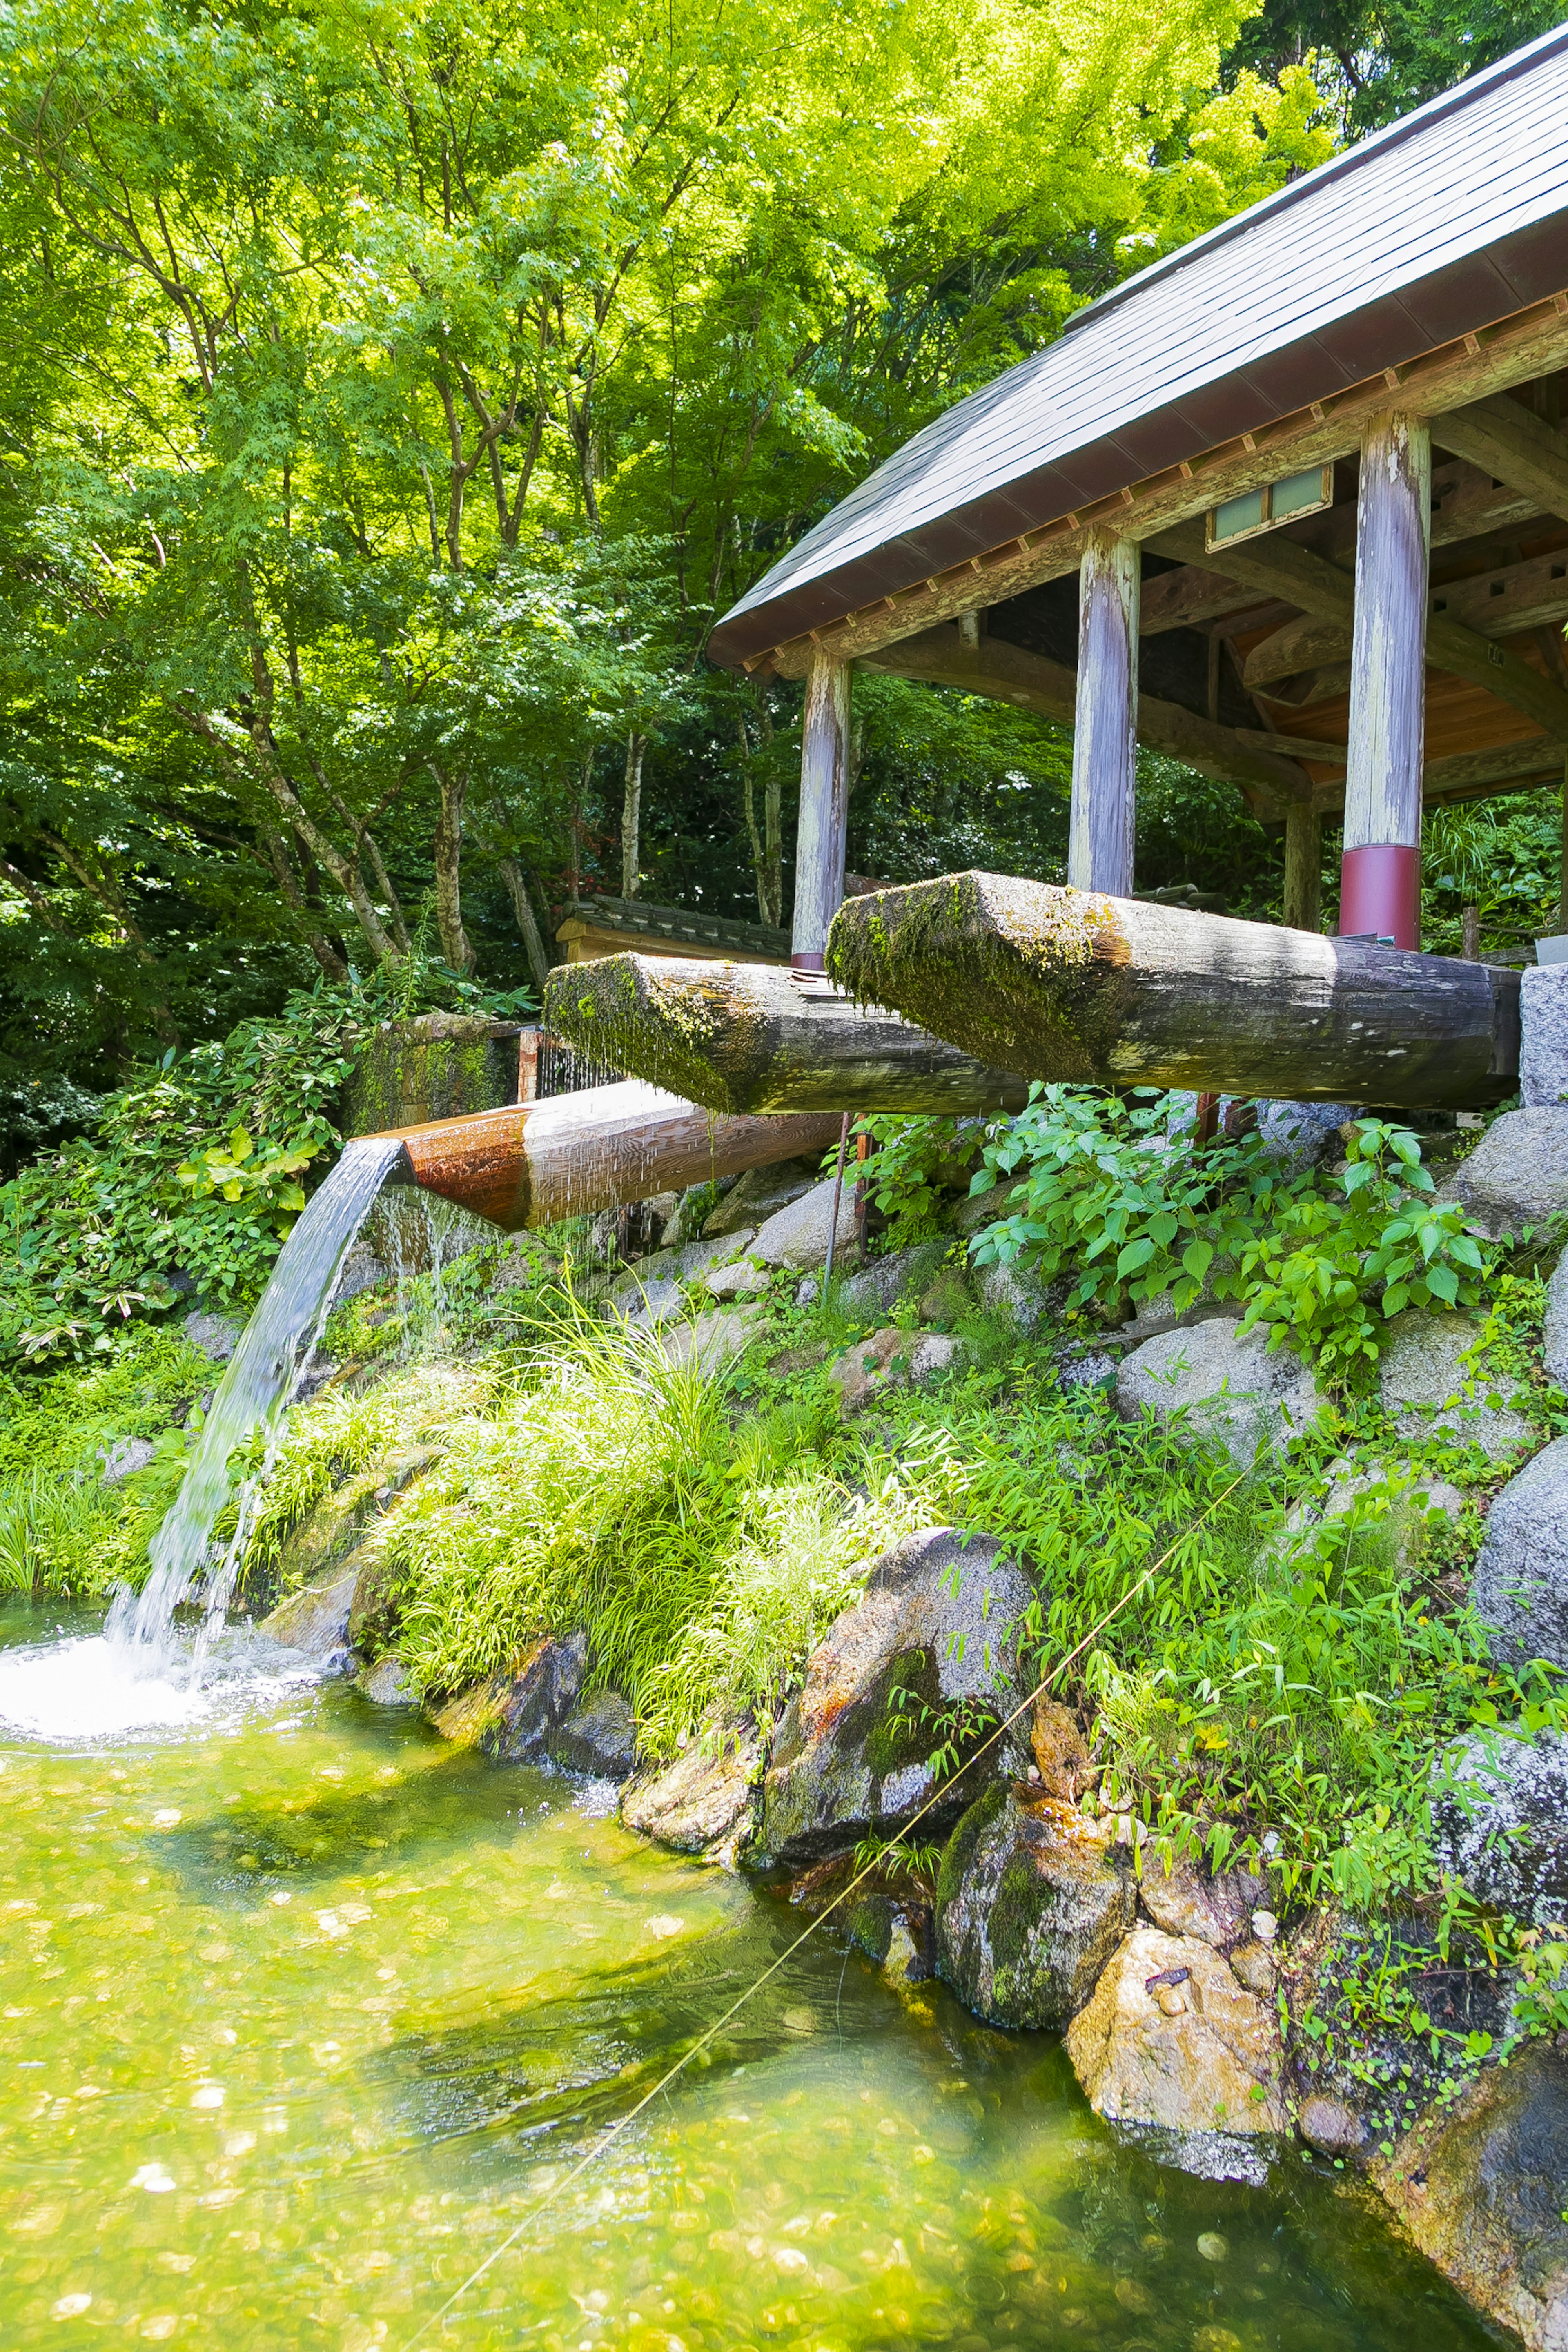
column 1291, row 505
column 603, row 927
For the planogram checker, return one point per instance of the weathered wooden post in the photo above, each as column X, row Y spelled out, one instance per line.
column 1380, row 871
column 1105, row 725
column 1304, row 868
column 823, row 810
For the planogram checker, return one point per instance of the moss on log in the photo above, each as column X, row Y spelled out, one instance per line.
column 1071, row 985
column 747, row 1038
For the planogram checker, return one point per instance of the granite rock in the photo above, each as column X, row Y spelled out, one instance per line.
column 1518, row 1173
column 1520, row 1581
column 1428, row 1389
column 1480, row 2189
column 703, row 1799
column 712, row 1339
column 1303, row 1135
column 1332, row 2127
column 1032, row 1902
column 1501, row 1821
column 759, row 1193
column 1554, row 1348
column 1184, row 1902
column 849, row 1756
column 890, row 1358
column 1543, row 1036
column 1195, row 2055
column 216, row 1335
column 124, row 1457
column 797, row 1235
column 386, row 1684
column 879, row 1286
column 1224, row 1387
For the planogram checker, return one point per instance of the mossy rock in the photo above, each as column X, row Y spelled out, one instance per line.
column 1031, row 1904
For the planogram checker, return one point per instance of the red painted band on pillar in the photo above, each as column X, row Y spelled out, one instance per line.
column 1380, row 891
column 805, row 962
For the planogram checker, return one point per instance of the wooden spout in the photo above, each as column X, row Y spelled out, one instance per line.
column 531, row 1164
column 750, row 1038
column 1073, row 985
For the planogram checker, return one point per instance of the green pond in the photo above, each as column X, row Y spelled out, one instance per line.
column 304, row 2013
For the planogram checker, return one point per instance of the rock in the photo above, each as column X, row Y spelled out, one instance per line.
column 876, row 1288
column 1520, row 1583
column 1223, row 1387
column 1481, row 2192
column 1303, row 1135
column 741, row 1280
column 654, row 1290
column 216, row 1335
column 702, row 1800
column 599, row 1738
column 513, row 1715
column 1518, row 1173
column 1554, row 1348
column 978, row 1209
column 1502, row 1819
column 1061, row 1752
column 849, row 1758
column 360, row 1270
column 315, row 1621
column 1032, row 1902
column 1332, row 2127
column 761, row 1194
column 1157, row 1316
column 1252, row 1965
column 1213, row 2066
column 890, row 1359
column 386, row 1684
column 1543, row 1036
column 1427, row 1388
column 1078, row 1367
column 797, row 1235
column 712, row 1339
column 1184, row 1903
column 124, row 1457
column 1013, row 1291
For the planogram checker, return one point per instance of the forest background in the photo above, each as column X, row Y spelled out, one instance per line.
column 394, row 394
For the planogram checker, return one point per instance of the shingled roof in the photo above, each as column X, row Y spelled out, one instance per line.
column 1451, row 219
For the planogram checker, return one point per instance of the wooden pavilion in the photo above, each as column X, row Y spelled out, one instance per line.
column 1291, row 505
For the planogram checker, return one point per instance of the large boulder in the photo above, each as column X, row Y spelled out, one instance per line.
column 702, row 1803
column 1521, row 1583
column 797, row 1235
column 513, row 1715
column 218, row 1336
column 709, row 1340
column 1480, row 2188
column 1501, row 1817
column 598, row 1737
column 906, row 1686
column 1302, row 1135
column 759, row 1193
column 1170, row 2038
column 1184, row 1902
column 1429, row 1389
column 890, row 1358
column 1518, row 1173
column 1554, row 1346
column 654, row 1290
column 314, row 1622
column 1211, row 1383
column 1032, row 1901
column 1406, row 1506
column 878, row 1287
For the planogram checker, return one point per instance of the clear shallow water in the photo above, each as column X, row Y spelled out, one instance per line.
column 301, row 2011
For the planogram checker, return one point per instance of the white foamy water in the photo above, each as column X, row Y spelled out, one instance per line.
column 84, row 1688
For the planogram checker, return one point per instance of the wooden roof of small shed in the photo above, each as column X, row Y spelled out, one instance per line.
column 1448, row 220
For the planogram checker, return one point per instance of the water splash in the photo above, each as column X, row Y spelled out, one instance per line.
column 266, row 1368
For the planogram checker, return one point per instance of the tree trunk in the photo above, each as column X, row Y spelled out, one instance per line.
column 1303, row 868
column 511, row 874
column 531, row 1164
column 1069, row 985
column 448, row 856
column 751, row 1037
column 293, row 896
column 631, row 815
column 1471, row 932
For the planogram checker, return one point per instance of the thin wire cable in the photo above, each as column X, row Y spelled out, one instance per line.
column 938, row 1796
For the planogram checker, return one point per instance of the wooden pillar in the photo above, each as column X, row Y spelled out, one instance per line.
column 1379, row 872
column 1562, row 871
column 1105, row 725
column 1304, row 868
column 823, row 810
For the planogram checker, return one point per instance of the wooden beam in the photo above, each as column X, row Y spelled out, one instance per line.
column 821, row 825
column 1306, row 643
column 1515, row 597
column 1504, row 438
column 1380, row 868
column 741, row 1038
column 1530, row 343
column 1105, row 717
column 1067, row 985
column 1008, row 673
column 531, row 1164
column 1509, row 763
column 1294, row 746
column 1278, row 566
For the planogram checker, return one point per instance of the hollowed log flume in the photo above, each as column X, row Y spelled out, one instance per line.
column 531, row 1164
column 1069, row 985
column 749, row 1038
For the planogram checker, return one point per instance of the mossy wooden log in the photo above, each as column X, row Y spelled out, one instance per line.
column 531, row 1164
column 743, row 1037
column 1071, row 985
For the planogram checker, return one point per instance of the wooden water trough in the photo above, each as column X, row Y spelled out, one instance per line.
column 531, row 1164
